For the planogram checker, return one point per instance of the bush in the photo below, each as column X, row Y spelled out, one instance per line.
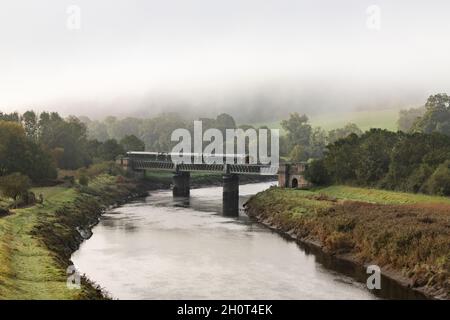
column 15, row 185
column 105, row 167
column 28, row 198
column 316, row 173
column 83, row 180
column 439, row 182
column 416, row 180
column 69, row 181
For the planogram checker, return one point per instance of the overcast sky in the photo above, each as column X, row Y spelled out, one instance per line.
column 146, row 56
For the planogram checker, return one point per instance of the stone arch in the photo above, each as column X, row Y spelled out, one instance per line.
column 294, row 183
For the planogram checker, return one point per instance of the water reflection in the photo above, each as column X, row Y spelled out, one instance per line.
column 166, row 248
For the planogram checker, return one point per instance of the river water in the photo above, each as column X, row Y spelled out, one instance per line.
column 166, row 248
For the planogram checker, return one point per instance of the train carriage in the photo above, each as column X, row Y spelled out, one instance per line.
column 192, row 157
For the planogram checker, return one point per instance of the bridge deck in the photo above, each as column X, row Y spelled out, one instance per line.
column 249, row 169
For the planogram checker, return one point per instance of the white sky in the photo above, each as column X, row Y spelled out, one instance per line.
column 135, row 53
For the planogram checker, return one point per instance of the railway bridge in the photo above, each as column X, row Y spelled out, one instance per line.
column 135, row 163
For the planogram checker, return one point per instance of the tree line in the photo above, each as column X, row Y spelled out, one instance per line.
column 154, row 132
column 414, row 161
column 302, row 142
column 36, row 145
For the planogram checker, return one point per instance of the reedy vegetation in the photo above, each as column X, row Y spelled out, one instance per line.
column 406, row 233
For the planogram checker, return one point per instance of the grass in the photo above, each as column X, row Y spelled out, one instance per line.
column 49, row 192
column 384, row 119
column 407, row 233
column 36, row 242
column 27, row 268
column 380, row 196
column 5, row 202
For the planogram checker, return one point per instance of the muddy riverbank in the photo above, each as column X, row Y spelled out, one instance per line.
column 406, row 241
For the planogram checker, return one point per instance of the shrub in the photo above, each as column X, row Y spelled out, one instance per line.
column 105, row 167
column 14, row 185
column 316, row 173
column 28, row 198
column 83, row 180
column 439, row 182
column 69, row 180
column 416, row 180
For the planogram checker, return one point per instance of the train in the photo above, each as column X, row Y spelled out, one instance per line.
column 193, row 157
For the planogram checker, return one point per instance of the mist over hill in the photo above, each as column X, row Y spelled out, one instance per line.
column 248, row 103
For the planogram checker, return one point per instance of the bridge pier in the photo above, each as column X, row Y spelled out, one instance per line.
column 181, row 186
column 230, row 200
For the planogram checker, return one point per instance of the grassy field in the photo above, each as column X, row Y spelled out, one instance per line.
column 407, row 233
column 384, row 119
column 27, row 268
column 377, row 195
column 308, row 201
column 36, row 242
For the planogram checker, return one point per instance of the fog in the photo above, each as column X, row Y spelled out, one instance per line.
column 256, row 59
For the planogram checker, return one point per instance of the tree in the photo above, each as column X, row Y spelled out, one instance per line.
column 69, row 135
column 83, row 178
column 110, row 149
column 132, row 143
column 407, row 118
column 225, row 121
column 298, row 153
column 14, row 185
column 13, row 148
column 412, row 151
column 341, row 159
column 385, row 159
column 317, row 173
column 297, row 129
column 30, row 124
column 439, row 182
column 156, row 132
column 344, row 132
column 125, row 127
column 97, row 131
column 13, row 117
column 374, row 155
column 20, row 154
column 436, row 117
column 318, row 143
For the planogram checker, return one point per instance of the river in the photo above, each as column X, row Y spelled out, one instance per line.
column 165, row 248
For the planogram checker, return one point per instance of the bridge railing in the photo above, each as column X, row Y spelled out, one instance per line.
column 255, row 169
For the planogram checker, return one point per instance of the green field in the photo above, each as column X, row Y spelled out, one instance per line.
column 379, row 196
column 36, row 242
column 309, row 201
column 384, row 119
column 27, row 268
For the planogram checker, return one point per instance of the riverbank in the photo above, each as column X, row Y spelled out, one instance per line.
column 407, row 235
column 36, row 242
